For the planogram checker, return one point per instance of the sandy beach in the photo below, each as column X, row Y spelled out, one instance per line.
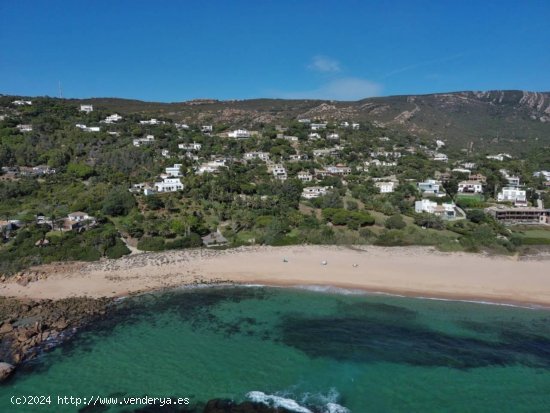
column 413, row 271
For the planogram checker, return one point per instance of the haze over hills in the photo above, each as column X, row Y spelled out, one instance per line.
column 500, row 118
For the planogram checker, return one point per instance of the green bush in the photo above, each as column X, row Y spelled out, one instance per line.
column 395, row 222
column 118, row 202
column 118, row 250
column 151, row 244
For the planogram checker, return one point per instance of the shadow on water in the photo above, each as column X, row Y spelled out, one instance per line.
column 195, row 307
column 379, row 339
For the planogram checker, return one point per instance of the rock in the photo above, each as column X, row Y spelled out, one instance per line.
column 6, row 328
column 6, row 370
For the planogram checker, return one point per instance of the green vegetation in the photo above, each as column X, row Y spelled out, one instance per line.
column 59, row 168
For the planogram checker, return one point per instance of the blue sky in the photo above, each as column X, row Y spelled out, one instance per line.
column 345, row 50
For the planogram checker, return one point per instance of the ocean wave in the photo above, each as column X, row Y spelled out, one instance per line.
column 276, row 401
column 320, row 403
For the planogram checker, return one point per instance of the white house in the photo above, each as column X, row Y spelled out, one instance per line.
column 263, row 156
column 445, row 210
column 512, row 179
column 470, row 187
column 431, row 187
column 440, row 157
column 321, row 153
column 211, row 167
column 190, row 146
column 291, row 138
column 183, row 126
column 333, row 136
column 24, row 128
column 298, row 157
column 112, row 118
column 86, row 108
column 174, row 170
column 340, row 170
column 378, row 163
column 385, row 154
column 278, row 171
column 169, row 185
column 239, row 133
column 314, row 136
column 206, row 128
column 22, row 102
column 304, row 121
column 355, row 126
column 151, row 122
column 79, row 216
column 385, row 187
column 315, row 191
column 500, row 157
column 143, row 141
column 544, row 174
column 512, row 194
column 305, row 176
column 318, row 126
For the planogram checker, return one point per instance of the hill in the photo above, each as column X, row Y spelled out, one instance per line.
column 499, row 119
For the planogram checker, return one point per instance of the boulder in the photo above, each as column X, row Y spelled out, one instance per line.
column 6, row 328
column 6, row 370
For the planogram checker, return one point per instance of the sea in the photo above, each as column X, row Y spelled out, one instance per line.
column 309, row 350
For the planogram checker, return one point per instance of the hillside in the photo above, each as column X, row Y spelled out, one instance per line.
column 497, row 119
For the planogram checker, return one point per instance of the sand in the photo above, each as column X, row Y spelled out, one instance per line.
column 413, row 271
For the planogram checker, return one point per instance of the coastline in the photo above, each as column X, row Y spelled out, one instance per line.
column 421, row 272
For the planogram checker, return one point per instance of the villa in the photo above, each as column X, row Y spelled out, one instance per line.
column 190, row 146
column 305, row 176
column 431, row 187
column 315, row 191
column 278, row 171
column 169, row 185
column 239, row 133
column 514, row 195
column 445, row 210
column 470, row 187
column 263, row 156
column 386, row 187
column 143, row 141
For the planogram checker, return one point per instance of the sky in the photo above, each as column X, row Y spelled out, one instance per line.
column 172, row 51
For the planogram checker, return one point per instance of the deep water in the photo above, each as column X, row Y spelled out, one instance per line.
column 320, row 352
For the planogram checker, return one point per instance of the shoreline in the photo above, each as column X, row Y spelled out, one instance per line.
column 421, row 272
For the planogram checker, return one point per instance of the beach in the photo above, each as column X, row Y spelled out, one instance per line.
column 410, row 271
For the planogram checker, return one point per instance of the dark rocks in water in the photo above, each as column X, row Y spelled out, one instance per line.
column 6, row 370
column 227, row 406
column 27, row 326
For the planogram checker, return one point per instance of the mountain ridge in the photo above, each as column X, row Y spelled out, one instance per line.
column 463, row 118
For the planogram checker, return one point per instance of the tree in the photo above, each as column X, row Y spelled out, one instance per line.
column 395, row 222
column 476, row 215
column 428, row 220
column 118, row 202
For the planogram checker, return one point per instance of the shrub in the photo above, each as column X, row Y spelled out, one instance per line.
column 395, row 222
column 428, row 221
column 118, row 250
column 151, row 244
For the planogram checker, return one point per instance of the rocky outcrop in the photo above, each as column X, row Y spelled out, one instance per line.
column 5, row 370
column 29, row 326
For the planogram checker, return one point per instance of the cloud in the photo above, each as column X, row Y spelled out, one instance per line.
column 324, row 64
column 348, row 88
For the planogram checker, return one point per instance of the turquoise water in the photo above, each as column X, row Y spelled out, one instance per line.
column 367, row 353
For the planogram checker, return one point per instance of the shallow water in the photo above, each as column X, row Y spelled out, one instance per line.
column 367, row 353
